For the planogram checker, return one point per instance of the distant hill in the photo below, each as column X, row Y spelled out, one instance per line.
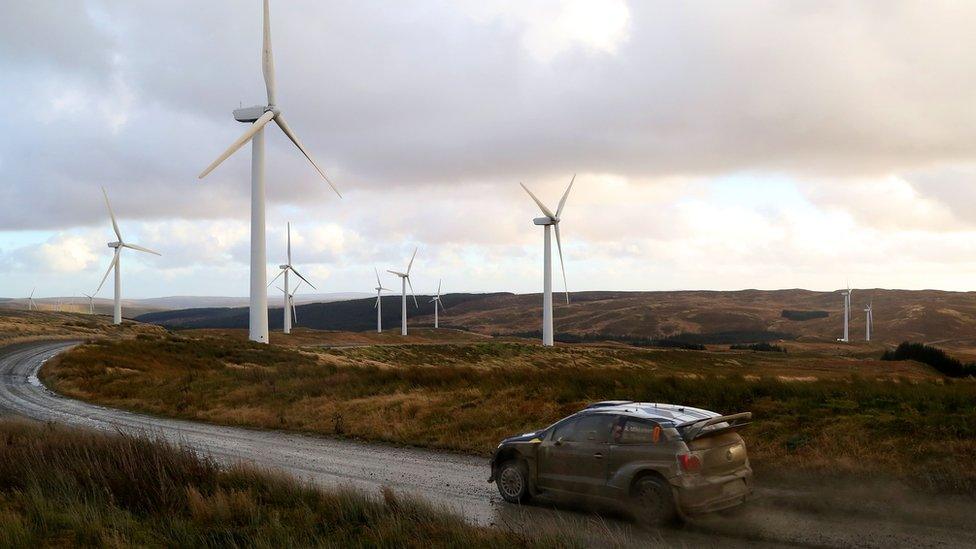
column 947, row 318
column 350, row 315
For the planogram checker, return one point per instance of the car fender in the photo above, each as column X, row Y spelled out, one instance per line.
column 623, row 478
column 525, row 451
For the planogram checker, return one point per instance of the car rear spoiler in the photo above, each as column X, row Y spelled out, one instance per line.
column 696, row 428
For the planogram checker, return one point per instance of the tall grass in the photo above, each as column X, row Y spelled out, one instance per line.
column 68, row 488
column 467, row 398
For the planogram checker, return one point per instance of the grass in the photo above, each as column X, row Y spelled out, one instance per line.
column 812, row 412
column 73, row 488
column 933, row 356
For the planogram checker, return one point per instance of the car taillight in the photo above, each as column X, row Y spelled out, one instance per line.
column 689, row 463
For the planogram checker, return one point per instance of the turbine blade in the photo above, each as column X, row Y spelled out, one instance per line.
column 297, row 286
column 289, row 239
column 439, row 287
column 280, row 289
column 415, row 304
column 396, row 273
column 377, row 302
column 267, row 58
column 559, row 244
column 294, row 139
column 302, row 277
column 115, row 226
column 115, row 259
column 542, row 206
column 378, row 283
column 562, row 201
column 253, row 129
column 141, row 249
column 277, row 276
column 411, row 260
column 294, row 310
column 441, row 303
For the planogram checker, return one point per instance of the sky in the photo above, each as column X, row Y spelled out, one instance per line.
column 716, row 145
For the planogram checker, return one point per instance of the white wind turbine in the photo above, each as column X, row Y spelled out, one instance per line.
column 847, row 313
column 869, row 320
column 379, row 302
column 258, row 117
column 404, row 281
column 290, row 301
column 118, row 245
column 436, row 300
column 91, row 303
column 550, row 220
column 30, row 301
column 284, row 271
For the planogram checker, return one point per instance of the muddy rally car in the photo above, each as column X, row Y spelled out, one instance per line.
column 661, row 461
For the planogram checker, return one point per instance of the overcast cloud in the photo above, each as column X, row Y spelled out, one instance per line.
column 717, row 144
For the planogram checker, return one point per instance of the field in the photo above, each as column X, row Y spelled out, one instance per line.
column 816, row 411
column 23, row 326
column 65, row 488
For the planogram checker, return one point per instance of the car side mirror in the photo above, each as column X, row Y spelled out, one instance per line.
column 559, row 441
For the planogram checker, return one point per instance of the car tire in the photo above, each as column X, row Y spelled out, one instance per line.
column 513, row 481
column 654, row 501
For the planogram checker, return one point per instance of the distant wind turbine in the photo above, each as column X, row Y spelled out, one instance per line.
column 847, row 313
column 118, row 245
column 284, row 270
column 30, row 301
column 290, row 301
column 550, row 220
column 869, row 320
column 258, row 117
column 404, row 281
column 436, row 300
column 379, row 302
column 91, row 303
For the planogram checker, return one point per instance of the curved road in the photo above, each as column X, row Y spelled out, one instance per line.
column 780, row 517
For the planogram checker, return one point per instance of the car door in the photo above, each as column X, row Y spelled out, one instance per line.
column 573, row 457
column 636, row 442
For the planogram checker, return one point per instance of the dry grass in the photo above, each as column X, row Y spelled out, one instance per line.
column 65, row 488
column 812, row 413
column 25, row 326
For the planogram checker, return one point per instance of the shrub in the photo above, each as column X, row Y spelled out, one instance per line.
column 801, row 316
column 933, row 356
column 759, row 347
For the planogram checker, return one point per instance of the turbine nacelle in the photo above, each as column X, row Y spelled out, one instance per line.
column 545, row 221
column 115, row 244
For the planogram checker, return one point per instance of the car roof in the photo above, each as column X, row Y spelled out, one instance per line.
column 657, row 411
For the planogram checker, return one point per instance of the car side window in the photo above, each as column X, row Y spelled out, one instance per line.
column 595, row 428
column 629, row 430
column 565, row 430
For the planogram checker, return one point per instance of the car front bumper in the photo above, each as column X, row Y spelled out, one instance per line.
column 696, row 495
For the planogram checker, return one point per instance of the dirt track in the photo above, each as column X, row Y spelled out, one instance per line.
column 876, row 516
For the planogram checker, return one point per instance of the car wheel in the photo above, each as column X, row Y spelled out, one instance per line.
column 513, row 481
column 654, row 500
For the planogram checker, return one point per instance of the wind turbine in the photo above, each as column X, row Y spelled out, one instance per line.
column 290, row 301
column 30, row 301
column 258, row 117
column 869, row 320
column 284, row 270
column 379, row 302
column 59, row 304
column 91, row 303
column 550, row 220
column 404, row 280
column 118, row 245
column 436, row 300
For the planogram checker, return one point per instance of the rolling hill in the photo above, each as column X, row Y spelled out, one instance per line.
column 947, row 318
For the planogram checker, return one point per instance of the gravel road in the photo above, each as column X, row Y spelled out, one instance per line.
column 779, row 516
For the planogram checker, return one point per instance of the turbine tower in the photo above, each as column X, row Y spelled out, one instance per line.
column 118, row 245
column 290, row 301
column 550, row 220
column 379, row 302
column 404, row 281
column 869, row 320
column 436, row 300
column 258, row 117
column 30, row 301
column 284, row 270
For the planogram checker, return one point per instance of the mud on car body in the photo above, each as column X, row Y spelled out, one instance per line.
column 660, row 460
